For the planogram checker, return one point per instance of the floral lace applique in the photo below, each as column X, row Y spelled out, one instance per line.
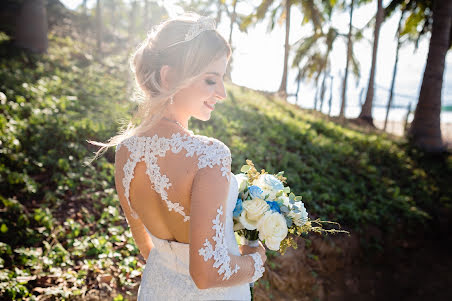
column 220, row 254
column 258, row 266
column 148, row 148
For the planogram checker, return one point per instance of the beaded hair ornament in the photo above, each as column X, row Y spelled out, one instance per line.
column 203, row 24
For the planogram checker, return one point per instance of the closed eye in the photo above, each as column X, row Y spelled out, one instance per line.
column 210, row 82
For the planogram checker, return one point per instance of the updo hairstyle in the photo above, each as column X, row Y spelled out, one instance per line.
column 165, row 45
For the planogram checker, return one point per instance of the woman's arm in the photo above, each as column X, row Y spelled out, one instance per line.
column 211, row 265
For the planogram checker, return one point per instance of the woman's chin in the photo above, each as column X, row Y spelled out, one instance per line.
column 203, row 117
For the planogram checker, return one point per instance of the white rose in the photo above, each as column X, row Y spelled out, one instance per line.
column 253, row 210
column 242, row 180
column 301, row 217
column 273, row 229
column 269, row 184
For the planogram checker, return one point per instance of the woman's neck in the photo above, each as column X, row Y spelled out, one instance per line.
column 177, row 117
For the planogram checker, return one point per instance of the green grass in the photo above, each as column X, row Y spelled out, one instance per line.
column 61, row 218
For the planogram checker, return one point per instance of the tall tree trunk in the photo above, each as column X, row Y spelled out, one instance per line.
column 330, row 100
column 146, row 15
column 84, row 12
column 349, row 52
column 361, row 97
column 325, row 74
column 219, row 10
column 366, row 111
column 133, row 14
column 231, row 28
column 394, row 71
column 316, row 97
column 99, row 25
column 425, row 130
column 283, row 87
column 298, row 87
column 31, row 27
column 322, row 90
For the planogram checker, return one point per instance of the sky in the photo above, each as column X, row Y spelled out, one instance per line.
column 258, row 61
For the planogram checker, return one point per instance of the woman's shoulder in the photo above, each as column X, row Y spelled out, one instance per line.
column 213, row 142
column 194, row 144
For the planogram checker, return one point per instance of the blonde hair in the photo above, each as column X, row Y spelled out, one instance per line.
column 165, row 45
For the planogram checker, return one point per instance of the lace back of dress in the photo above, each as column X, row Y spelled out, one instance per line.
column 203, row 151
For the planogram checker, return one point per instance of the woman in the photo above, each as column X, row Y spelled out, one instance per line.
column 176, row 188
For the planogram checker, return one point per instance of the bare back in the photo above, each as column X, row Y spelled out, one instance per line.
column 160, row 192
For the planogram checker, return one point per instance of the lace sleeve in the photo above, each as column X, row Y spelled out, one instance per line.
column 211, row 264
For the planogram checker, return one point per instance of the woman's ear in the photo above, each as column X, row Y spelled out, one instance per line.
column 165, row 77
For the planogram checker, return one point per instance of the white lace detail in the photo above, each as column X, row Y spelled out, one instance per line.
column 258, row 266
column 148, row 148
column 220, row 253
column 167, row 272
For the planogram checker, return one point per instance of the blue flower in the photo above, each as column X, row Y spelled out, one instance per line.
column 238, row 208
column 255, row 191
column 274, row 206
column 273, row 182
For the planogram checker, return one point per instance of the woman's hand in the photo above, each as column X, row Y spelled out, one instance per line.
column 245, row 250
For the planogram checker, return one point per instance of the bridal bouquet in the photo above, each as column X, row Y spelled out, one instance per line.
column 269, row 211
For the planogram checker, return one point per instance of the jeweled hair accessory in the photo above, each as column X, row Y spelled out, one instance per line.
column 203, row 24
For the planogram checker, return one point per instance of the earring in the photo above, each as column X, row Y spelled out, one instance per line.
column 171, row 99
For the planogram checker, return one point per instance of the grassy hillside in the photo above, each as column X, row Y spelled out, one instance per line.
column 62, row 233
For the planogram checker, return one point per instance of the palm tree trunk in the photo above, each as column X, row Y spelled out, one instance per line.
column 349, row 52
column 298, row 86
column 316, row 97
column 219, row 10
column 366, row 111
column 330, row 100
column 32, row 27
column 146, row 15
column 99, row 25
column 231, row 28
column 322, row 90
column 283, row 87
column 132, row 22
column 425, row 130
column 84, row 7
column 394, row 71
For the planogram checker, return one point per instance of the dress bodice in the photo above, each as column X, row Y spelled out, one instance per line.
column 167, row 272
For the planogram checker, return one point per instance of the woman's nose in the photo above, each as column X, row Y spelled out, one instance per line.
column 221, row 91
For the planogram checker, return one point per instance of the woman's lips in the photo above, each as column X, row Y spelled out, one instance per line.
column 209, row 106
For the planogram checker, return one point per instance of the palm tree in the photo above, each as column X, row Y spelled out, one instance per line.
column 233, row 20
column 425, row 130
column 99, row 25
column 313, row 61
column 394, row 72
column 279, row 14
column 349, row 53
column 283, row 87
column 84, row 7
column 31, row 26
column 330, row 100
column 366, row 111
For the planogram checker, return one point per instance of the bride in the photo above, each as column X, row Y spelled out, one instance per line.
column 176, row 188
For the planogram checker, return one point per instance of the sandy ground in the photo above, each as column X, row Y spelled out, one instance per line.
column 396, row 128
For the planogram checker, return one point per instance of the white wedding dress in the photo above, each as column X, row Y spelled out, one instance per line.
column 166, row 275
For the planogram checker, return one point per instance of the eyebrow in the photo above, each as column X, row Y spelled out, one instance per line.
column 214, row 73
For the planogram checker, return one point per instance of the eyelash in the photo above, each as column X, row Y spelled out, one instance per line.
column 210, row 82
